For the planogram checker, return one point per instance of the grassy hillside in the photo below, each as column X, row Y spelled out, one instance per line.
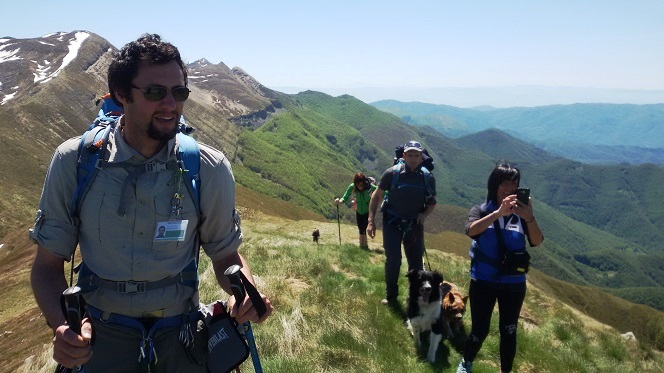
column 328, row 315
column 308, row 154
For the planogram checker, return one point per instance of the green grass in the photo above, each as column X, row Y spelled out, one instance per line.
column 328, row 316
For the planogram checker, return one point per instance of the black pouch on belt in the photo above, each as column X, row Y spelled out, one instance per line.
column 226, row 347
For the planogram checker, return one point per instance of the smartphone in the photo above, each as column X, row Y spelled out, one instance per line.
column 523, row 195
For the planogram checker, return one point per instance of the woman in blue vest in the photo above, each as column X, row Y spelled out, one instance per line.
column 362, row 187
column 492, row 281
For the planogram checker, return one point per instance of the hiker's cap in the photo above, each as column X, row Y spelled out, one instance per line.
column 412, row 145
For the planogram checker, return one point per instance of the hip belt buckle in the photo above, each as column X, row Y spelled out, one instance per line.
column 130, row 287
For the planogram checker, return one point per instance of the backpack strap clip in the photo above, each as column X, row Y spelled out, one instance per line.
column 99, row 163
column 130, row 287
column 155, row 166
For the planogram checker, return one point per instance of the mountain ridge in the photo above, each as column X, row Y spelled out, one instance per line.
column 566, row 130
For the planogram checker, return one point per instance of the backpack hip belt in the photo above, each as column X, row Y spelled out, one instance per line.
column 89, row 281
column 404, row 223
column 131, row 287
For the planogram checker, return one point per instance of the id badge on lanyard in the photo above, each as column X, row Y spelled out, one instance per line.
column 174, row 229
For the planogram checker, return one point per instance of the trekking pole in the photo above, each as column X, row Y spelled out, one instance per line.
column 339, row 224
column 236, row 277
column 73, row 305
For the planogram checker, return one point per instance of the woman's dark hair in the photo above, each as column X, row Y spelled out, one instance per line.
column 503, row 171
column 358, row 179
column 124, row 67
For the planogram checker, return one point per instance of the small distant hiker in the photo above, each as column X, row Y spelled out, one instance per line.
column 409, row 190
column 363, row 187
column 315, row 234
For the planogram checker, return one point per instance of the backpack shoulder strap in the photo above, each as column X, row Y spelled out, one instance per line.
column 396, row 169
column 427, row 176
column 189, row 157
column 91, row 151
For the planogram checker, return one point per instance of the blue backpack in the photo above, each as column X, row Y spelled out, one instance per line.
column 91, row 158
column 396, row 170
column 92, row 151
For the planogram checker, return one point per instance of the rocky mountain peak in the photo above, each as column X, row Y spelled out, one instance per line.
column 27, row 64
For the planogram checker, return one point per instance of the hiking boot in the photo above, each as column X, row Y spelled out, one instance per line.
column 464, row 367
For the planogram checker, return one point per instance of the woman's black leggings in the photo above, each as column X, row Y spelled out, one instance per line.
column 483, row 296
column 362, row 222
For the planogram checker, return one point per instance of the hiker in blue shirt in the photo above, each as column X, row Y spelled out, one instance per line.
column 499, row 228
column 411, row 199
column 131, row 280
column 363, row 188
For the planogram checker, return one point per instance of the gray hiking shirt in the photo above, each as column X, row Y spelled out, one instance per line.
column 123, row 247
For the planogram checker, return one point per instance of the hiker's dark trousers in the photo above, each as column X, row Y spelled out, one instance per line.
column 394, row 234
column 362, row 222
column 483, row 297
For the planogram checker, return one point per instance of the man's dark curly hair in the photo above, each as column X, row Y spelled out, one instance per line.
column 124, row 67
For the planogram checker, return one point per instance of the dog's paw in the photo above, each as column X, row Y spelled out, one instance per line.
column 409, row 327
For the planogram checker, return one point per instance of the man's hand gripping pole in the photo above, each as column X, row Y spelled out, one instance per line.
column 238, row 281
column 73, row 307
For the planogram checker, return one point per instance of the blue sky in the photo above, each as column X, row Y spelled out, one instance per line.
column 347, row 45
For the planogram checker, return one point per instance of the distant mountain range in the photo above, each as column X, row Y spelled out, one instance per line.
column 604, row 224
column 496, row 97
column 591, row 133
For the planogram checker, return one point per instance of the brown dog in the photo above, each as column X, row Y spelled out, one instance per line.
column 454, row 306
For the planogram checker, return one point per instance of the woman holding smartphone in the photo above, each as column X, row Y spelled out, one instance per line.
column 499, row 227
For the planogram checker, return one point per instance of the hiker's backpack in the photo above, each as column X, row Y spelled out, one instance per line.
column 396, row 170
column 427, row 160
column 91, row 158
column 509, row 262
column 92, row 151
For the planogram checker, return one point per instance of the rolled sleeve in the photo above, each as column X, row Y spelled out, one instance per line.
column 349, row 190
column 54, row 229
column 220, row 231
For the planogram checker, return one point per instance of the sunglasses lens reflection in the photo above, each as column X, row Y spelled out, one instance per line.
column 157, row 93
column 180, row 93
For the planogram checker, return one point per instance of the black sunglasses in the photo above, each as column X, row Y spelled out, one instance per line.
column 158, row 93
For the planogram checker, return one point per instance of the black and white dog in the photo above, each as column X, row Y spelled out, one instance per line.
column 424, row 308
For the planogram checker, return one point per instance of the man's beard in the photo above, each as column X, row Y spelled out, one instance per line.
column 161, row 136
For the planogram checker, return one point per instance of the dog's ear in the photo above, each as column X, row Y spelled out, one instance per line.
column 437, row 278
column 412, row 273
column 451, row 297
column 465, row 300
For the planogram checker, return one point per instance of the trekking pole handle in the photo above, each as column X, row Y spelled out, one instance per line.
column 233, row 274
column 73, row 309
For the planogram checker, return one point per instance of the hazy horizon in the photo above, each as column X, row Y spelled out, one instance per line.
column 498, row 97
